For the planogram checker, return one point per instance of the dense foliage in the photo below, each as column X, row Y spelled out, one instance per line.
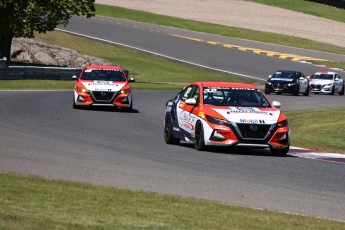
column 21, row 18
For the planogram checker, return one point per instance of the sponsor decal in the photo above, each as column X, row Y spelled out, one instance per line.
column 246, row 110
column 281, row 79
column 252, row 121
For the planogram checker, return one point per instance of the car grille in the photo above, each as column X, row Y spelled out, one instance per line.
column 103, row 96
column 247, row 131
column 277, row 86
column 314, row 86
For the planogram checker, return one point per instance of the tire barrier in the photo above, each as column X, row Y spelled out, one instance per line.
column 37, row 73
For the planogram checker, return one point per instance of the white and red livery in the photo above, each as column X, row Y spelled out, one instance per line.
column 226, row 114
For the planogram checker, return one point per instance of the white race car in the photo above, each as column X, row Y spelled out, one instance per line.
column 226, row 114
column 101, row 85
column 326, row 82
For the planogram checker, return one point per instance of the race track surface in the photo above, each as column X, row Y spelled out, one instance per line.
column 40, row 134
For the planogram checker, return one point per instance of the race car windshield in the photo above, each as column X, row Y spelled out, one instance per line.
column 285, row 75
column 103, row 75
column 323, row 76
column 243, row 97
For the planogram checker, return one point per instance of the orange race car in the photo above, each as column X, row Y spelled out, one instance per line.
column 226, row 114
column 103, row 85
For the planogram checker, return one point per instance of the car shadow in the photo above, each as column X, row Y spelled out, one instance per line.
column 236, row 150
column 107, row 109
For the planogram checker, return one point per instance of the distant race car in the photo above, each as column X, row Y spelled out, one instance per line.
column 327, row 82
column 226, row 114
column 103, row 85
column 287, row 81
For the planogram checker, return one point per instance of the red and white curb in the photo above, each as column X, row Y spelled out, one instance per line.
column 318, row 155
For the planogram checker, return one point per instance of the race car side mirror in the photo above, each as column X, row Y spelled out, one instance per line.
column 191, row 101
column 269, row 76
column 130, row 79
column 276, row 104
column 74, row 77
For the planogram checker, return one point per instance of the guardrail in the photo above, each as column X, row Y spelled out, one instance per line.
column 335, row 3
column 37, row 73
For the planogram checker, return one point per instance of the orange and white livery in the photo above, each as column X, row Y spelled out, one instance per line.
column 226, row 114
column 103, row 85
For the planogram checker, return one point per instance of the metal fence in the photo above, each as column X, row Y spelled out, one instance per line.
column 38, row 73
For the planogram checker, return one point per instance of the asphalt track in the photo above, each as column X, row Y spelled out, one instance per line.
column 40, row 134
column 230, row 55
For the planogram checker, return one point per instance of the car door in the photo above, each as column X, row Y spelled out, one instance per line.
column 186, row 112
column 303, row 83
column 338, row 83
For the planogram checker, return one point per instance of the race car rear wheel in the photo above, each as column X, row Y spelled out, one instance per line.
column 199, row 141
column 168, row 135
column 342, row 90
column 279, row 152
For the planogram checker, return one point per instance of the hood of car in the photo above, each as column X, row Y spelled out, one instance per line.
column 282, row 80
column 251, row 115
column 103, row 85
column 321, row 82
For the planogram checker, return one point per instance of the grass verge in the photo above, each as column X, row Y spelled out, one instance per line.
column 306, row 7
column 145, row 68
column 36, row 203
column 324, row 132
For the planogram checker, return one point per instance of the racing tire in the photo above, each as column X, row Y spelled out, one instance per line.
column 342, row 90
column 279, row 152
column 128, row 109
column 296, row 93
column 75, row 106
column 267, row 91
column 332, row 91
column 168, row 135
column 306, row 93
column 199, row 141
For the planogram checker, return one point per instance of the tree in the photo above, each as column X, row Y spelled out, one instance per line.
column 22, row 18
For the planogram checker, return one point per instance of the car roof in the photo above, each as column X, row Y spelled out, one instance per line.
column 115, row 67
column 224, row 84
column 324, row 72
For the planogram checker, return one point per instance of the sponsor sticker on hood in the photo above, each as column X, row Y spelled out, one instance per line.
column 103, row 86
column 282, row 79
column 249, row 115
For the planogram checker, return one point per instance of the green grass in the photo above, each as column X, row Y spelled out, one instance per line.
column 316, row 9
column 36, row 203
column 145, row 68
column 118, row 12
column 318, row 129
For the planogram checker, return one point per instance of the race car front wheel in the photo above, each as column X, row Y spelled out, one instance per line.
column 199, row 141
column 168, row 135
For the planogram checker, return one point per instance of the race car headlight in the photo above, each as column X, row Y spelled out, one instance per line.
column 217, row 121
column 82, row 90
column 125, row 91
column 329, row 84
column 268, row 83
column 291, row 84
column 282, row 124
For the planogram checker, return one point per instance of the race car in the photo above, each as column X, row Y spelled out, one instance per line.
column 103, row 85
column 327, row 82
column 287, row 81
column 226, row 114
